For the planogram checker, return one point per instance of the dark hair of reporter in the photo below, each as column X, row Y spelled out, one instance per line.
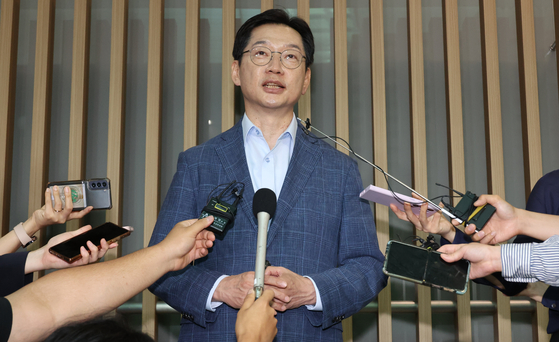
column 106, row 330
column 274, row 16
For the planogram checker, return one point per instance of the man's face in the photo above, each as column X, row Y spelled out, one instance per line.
column 271, row 86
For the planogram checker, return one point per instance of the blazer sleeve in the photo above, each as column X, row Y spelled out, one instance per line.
column 358, row 279
column 185, row 290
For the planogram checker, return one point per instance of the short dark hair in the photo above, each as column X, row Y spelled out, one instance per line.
column 104, row 330
column 279, row 17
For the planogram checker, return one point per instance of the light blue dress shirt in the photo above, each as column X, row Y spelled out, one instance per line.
column 267, row 170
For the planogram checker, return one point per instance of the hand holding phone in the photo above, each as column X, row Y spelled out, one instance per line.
column 70, row 250
column 93, row 192
column 425, row 267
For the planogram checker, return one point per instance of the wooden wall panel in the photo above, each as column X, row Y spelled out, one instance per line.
column 419, row 145
column 153, row 146
column 556, row 21
column 304, row 104
column 117, row 98
column 78, row 97
column 117, row 110
column 342, row 103
column 531, row 133
column 40, row 130
column 227, row 86
column 494, row 138
column 455, row 129
column 528, row 74
column 380, row 153
column 191, row 74
column 266, row 5
column 9, row 23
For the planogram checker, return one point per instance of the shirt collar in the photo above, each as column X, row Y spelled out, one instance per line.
column 248, row 126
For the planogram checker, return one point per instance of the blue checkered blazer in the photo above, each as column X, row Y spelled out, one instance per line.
column 321, row 229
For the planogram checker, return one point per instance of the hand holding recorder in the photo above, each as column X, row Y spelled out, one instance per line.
column 509, row 221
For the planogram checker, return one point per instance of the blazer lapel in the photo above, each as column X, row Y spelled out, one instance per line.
column 233, row 158
column 303, row 161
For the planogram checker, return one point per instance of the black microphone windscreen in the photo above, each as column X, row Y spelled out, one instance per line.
column 264, row 201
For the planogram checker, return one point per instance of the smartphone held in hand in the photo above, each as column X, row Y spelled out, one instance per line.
column 69, row 250
column 426, row 267
column 92, row 192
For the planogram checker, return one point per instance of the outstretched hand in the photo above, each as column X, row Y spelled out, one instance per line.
column 434, row 224
column 42, row 259
column 189, row 241
column 54, row 214
column 484, row 259
column 501, row 227
column 255, row 320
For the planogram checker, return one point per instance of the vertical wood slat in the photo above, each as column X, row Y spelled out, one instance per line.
column 304, row 104
column 556, row 21
column 342, row 106
column 380, row 153
column 191, row 74
column 42, row 98
column 531, row 133
column 419, row 145
column 455, row 136
column 227, row 86
column 9, row 23
column 494, row 140
column 528, row 73
column 266, row 5
column 153, row 146
column 117, row 111
column 78, row 96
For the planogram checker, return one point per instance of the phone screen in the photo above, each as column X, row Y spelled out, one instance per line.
column 69, row 250
column 425, row 267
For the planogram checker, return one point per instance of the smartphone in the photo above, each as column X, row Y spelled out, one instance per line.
column 386, row 197
column 425, row 266
column 69, row 250
column 93, row 192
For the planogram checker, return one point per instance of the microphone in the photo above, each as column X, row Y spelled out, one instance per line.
column 264, row 208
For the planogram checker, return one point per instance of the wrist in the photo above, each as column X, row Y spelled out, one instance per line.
column 31, row 226
column 450, row 235
column 496, row 258
column 34, row 261
column 310, row 298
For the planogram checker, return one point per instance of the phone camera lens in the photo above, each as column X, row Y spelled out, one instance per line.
column 98, row 184
column 104, row 184
column 92, row 185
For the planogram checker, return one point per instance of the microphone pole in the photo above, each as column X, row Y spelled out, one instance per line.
column 264, row 208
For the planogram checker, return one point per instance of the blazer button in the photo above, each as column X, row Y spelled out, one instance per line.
column 553, row 306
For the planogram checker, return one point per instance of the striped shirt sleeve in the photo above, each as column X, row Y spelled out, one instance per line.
column 531, row 262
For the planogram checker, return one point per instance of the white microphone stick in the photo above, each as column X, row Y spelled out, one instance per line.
column 263, row 207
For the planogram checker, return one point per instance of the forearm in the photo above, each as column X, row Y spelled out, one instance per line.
column 536, row 225
column 82, row 293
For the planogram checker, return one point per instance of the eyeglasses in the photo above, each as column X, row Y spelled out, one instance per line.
column 261, row 55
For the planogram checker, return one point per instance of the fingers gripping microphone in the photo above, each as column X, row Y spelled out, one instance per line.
column 263, row 207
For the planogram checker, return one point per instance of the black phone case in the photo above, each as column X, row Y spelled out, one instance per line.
column 422, row 266
column 69, row 250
